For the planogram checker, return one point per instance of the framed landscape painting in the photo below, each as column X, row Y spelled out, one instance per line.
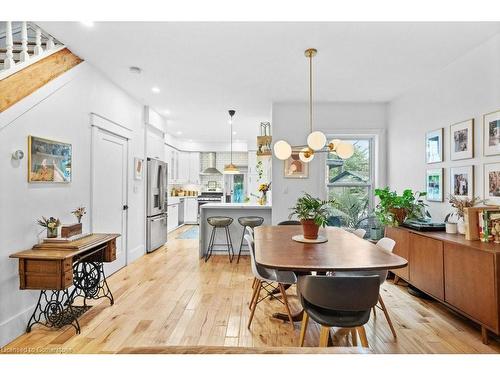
column 492, row 183
column 434, row 146
column 295, row 168
column 434, row 184
column 491, row 133
column 462, row 140
column 49, row 161
column 462, row 182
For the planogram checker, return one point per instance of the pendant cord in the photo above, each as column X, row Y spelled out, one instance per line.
column 310, row 94
column 231, row 140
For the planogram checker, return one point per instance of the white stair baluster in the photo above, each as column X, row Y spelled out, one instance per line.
column 24, row 55
column 9, row 45
column 50, row 43
column 38, row 40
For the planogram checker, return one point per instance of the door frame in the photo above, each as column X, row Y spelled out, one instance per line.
column 109, row 127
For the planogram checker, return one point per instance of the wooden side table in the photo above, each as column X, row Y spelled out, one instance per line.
column 53, row 268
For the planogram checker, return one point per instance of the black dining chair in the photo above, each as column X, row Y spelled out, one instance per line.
column 343, row 302
column 289, row 222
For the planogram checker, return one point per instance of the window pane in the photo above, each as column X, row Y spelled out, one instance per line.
column 356, row 168
column 352, row 204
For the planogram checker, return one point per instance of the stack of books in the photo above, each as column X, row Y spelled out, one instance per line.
column 480, row 223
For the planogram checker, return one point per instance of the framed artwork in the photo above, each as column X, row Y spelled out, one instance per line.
column 49, row 161
column 462, row 182
column 434, row 146
column 492, row 183
column 138, row 167
column 462, row 140
column 434, row 184
column 491, row 133
column 295, row 168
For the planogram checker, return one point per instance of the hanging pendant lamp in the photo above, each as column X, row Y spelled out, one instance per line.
column 316, row 140
column 231, row 168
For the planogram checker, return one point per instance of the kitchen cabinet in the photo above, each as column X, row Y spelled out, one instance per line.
column 173, row 216
column 183, row 167
column 190, row 210
column 194, row 168
column 402, row 248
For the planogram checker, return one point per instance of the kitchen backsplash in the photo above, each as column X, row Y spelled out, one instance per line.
column 223, row 158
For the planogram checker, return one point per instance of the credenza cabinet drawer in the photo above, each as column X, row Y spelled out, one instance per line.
column 470, row 283
column 426, row 265
column 402, row 248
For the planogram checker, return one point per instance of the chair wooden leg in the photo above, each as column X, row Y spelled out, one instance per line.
column 362, row 336
column 285, row 300
column 303, row 328
column 255, row 289
column 254, row 282
column 323, row 336
column 386, row 313
column 354, row 337
column 254, row 305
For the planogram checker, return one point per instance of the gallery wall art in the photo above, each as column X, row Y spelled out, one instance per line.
column 462, row 140
column 434, row 146
column 462, row 182
column 49, row 161
column 295, row 168
column 492, row 183
column 491, row 133
column 434, row 184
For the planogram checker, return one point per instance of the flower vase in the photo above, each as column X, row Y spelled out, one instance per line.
column 263, row 199
column 51, row 232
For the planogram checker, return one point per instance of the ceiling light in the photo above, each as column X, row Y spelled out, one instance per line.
column 135, row 69
column 306, row 155
column 282, row 150
column 155, row 89
column 231, row 168
column 87, row 23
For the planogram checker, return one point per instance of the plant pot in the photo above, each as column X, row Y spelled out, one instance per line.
column 52, row 232
column 399, row 214
column 376, row 233
column 310, row 229
column 451, row 228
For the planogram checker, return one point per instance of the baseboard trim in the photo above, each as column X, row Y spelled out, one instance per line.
column 135, row 254
column 15, row 326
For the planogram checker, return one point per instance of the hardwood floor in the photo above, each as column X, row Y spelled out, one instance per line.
column 171, row 297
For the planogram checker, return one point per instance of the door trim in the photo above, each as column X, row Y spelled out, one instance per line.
column 94, row 134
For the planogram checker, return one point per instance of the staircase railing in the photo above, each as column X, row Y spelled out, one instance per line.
column 23, row 43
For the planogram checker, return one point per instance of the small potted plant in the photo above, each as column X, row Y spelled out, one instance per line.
column 79, row 212
column 51, row 224
column 313, row 213
column 459, row 204
column 264, row 188
column 394, row 209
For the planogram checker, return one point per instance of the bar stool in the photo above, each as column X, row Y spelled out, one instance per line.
column 220, row 222
column 250, row 222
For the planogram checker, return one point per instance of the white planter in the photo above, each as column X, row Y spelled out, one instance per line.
column 451, row 228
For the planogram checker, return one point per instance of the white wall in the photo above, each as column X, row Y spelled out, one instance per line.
column 290, row 122
column 467, row 88
column 60, row 111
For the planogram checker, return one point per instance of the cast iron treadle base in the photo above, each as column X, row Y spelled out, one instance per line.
column 53, row 311
column 90, row 282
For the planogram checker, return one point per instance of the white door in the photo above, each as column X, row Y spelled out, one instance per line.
column 109, row 191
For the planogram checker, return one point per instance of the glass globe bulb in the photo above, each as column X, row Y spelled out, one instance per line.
column 344, row 150
column 316, row 140
column 306, row 155
column 282, row 150
column 332, row 145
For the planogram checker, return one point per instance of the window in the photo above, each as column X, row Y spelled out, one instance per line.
column 350, row 183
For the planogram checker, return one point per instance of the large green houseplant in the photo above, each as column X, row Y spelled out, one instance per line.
column 394, row 209
column 313, row 213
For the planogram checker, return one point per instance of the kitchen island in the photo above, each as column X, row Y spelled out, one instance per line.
column 233, row 210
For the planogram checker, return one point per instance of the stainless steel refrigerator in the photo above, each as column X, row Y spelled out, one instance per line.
column 156, row 204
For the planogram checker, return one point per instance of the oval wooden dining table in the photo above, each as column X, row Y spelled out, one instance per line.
column 344, row 251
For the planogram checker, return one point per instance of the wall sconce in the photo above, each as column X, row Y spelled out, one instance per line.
column 17, row 155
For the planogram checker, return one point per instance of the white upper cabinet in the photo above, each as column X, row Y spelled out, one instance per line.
column 194, row 168
column 183, row 167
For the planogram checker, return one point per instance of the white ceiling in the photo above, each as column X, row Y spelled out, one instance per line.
column 204, row 69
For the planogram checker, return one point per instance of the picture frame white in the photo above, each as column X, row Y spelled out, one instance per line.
column 434, row 184
column 462, row 182
column 293, row 167
column 491, row 176
column 138, row 168
column 491, row 133
column 462, row 140
column 434, row 146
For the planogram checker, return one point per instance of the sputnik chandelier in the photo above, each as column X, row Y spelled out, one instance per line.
column 316, row 141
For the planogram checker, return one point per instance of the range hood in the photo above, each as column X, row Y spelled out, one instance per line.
column 211, row 170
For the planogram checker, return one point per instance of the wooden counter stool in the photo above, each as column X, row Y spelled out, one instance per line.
column 220, row 222
column 250, row 222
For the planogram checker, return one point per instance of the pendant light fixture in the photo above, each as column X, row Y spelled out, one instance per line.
column 231, row 168
column 316, row 140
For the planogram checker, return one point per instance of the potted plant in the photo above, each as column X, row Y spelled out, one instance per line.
column 459, row 204
column 79, row 212
column 394, row 209
column 313, row 213
column 51, row 224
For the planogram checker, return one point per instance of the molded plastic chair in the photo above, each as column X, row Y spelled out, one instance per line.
column 343, row 302
column 265, row 277
column 386, row 244
column 360, row 232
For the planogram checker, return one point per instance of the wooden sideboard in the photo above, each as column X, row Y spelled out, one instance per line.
column 53, row 268
column 462, row 274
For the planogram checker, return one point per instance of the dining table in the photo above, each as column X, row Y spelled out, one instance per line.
column 343, row 251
